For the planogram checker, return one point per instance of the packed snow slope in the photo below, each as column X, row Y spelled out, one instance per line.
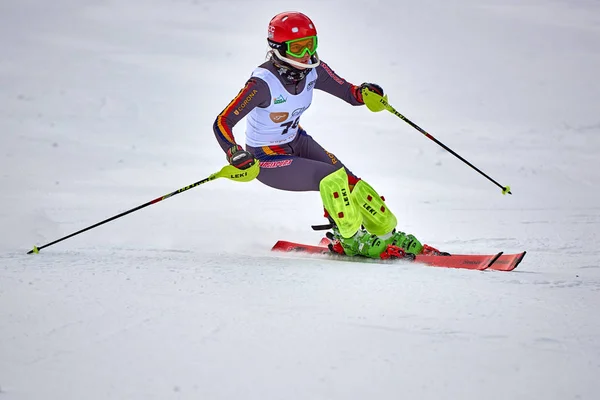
column 105, row 105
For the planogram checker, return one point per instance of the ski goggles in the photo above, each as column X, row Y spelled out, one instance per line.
column 299, row 47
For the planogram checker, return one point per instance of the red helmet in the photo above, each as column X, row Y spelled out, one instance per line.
column 289, row 26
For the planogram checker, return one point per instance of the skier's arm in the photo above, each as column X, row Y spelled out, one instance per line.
column 332, row 83
column 255, row 93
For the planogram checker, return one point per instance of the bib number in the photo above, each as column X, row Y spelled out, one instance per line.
column 288, row 125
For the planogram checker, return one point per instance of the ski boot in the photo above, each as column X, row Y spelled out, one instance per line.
column 361, row 243
column 412, row 245
column 365, row 244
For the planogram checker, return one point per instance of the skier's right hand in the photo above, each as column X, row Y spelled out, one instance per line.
column 240, row 158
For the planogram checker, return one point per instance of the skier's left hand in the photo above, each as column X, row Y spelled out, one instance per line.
column 373, row 87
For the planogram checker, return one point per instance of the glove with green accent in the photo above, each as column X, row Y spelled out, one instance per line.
column 240, row 158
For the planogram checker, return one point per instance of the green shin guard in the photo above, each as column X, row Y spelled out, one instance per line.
column 376, row 217
column 335, row 194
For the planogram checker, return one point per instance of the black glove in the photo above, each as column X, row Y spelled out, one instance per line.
column 373, row 87
column 240, row 158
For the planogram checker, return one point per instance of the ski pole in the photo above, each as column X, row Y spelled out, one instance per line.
column 228, row 171
column 378, row 103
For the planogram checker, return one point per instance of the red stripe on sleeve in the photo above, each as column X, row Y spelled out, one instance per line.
column 224, row 128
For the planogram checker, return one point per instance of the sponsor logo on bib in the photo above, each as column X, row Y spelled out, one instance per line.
column 298, row 111
column 279, row 100
column 279, row 116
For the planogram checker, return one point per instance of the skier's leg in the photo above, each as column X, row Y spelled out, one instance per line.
column 282, row 169
column 286, row 167
column 377, row 218
column 334, row 179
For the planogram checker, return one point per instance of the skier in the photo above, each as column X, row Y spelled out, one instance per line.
column 273, row 99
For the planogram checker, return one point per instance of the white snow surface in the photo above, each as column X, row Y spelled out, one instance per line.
column 106, row 104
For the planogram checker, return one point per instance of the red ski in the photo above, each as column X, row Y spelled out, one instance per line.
column 499, row 261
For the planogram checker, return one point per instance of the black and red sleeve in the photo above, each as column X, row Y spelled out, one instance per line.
column 330, row 82
column 255, row 93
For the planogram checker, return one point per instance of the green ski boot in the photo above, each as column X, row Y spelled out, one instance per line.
column 362, row 243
